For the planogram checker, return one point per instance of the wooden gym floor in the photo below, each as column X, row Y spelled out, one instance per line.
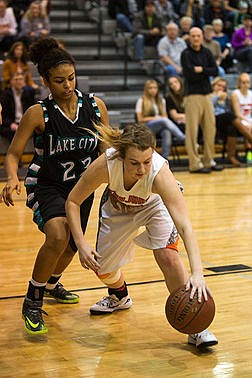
column 136, row 343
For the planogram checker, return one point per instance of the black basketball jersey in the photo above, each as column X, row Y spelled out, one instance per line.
column 65, row 149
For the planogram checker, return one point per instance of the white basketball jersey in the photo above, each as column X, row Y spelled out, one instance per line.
column 245, row 104
column 141, row 192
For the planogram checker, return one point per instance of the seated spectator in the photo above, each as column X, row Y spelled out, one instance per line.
column 17, row 61
column 214, row 47
column 123, row 12
column 165, row 10
column 15, row 101
column 228, row 125
column 19, row 8
column 147, row 29
column 34, row 24
column 194, row 9
column 242, row 43
column 175, row 102
column 241, row 99
column 170, row 48
column 215, row 9
column 225, row 45
column 8, row 28
column 185, row 24
column 237, row 9
column 151, row 110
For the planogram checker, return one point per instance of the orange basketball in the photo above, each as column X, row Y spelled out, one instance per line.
column 188, row 315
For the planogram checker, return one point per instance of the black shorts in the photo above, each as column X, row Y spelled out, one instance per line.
column 48, row 202
column 224, row 125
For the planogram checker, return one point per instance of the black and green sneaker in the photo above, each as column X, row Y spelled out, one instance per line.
column 32, row 316
column 61, row 295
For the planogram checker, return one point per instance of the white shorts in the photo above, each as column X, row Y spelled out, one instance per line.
column 118, row 232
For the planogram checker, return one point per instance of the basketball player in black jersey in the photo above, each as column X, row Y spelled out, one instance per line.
column 63, row 150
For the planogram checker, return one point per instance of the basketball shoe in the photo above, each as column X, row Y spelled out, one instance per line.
column 110, row 304
column 32, row 316
column 61, row 294
column 203, row 339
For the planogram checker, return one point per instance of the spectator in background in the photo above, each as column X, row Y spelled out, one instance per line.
column 227, row 123
column 185, row 24
column 17, row 61
column 242, row 43
column 225, row 45
column 175, row 102
column 215, row 9
column 241, row 99
column 15, row 101
column 170, row 48
column 19, row 8
column 151, row 111
column 147, row 29
column 165, row 10
column 237, row 9
column 213, row 46
column 194, row 10
column 123, row 12
column 198, row 65
column 8, row 28
column 34, row 24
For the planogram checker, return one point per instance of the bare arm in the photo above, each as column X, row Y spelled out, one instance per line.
column 236, row 105
column 175, row 204
column 176, row 116
column 95, row 175
column 141, row 118
column 32, row 120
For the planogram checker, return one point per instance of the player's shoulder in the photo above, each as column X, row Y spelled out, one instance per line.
column 35, row 109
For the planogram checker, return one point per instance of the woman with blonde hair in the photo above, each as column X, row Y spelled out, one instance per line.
column 141, row 192
column 34, row 24
column 151, row 111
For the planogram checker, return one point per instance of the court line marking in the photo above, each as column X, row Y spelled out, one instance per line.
column 145, row 282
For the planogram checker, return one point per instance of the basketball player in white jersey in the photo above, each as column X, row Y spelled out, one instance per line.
column 142, row 191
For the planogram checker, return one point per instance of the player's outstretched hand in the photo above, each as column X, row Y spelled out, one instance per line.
column 7, row 193
column 197, row 285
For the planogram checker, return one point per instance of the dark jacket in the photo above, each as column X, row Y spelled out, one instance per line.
column 121, row 6
column 8, row 104
column 140, row 24
column 198, row 83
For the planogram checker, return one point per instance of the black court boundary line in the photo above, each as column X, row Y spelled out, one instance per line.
column 138, row 283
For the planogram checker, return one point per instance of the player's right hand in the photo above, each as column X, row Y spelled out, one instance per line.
column 88, row 258
column 7, row 193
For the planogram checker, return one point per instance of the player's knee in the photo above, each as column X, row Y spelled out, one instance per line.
column 58, row 241
column 110, row 278
column 166, row 257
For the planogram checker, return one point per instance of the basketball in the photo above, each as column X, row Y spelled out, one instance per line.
column 188, row 315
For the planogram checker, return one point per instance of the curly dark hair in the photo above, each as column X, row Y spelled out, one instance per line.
column 45, row 53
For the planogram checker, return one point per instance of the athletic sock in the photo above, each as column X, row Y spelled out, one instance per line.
column 52, row 282
column 35, row 290
column 120, row 292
